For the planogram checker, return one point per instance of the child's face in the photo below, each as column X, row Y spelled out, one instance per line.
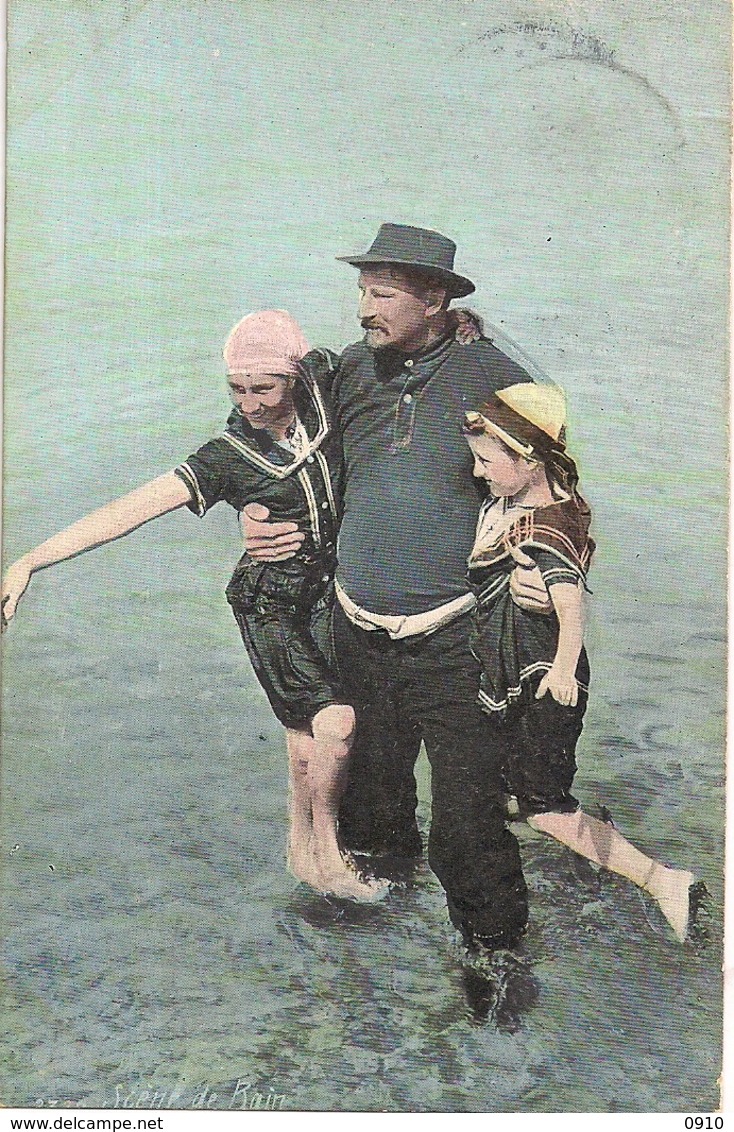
column 506, row 472
column 264, row 399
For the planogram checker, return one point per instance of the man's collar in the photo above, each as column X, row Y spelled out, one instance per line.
column 430, row 353
column 391, row 362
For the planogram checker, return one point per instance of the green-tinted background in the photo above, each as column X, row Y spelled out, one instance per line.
column 170, row 167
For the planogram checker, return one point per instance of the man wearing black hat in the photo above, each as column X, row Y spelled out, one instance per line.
column 401, row 625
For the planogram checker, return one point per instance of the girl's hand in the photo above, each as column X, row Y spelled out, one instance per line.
column 468, row 325
column 561, row 685
column 15, row 584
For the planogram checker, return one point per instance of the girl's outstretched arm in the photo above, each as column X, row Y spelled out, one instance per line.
column 159, row 496
column 560, row 681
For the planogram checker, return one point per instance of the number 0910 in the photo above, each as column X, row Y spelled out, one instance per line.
column 704, row 1123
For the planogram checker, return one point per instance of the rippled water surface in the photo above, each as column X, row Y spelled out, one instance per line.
column 162, row 181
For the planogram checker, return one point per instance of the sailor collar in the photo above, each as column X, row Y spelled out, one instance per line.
column 562, row 527
column 258, row 447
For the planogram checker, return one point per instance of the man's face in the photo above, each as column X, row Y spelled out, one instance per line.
column 394, row 309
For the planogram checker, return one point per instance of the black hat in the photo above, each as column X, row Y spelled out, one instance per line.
column 415, row 247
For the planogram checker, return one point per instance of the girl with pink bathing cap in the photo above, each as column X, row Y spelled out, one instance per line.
column 278, row 450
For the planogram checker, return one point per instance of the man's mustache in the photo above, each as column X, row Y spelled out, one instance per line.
column 370, row 324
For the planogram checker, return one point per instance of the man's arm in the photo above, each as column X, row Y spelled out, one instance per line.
column 266, row 539
column 527, row 588
column 158, row 497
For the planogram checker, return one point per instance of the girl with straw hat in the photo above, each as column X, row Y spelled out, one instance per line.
column 535, row 672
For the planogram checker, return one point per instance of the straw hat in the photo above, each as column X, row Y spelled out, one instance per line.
column 528, row 418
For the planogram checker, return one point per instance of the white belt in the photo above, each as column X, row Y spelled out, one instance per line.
column 412, row 625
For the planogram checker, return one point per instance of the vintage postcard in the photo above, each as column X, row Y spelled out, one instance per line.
column 414, row 800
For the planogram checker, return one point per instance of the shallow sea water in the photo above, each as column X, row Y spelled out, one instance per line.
column 159, row 185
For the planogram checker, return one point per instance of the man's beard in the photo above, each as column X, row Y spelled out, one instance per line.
column 375, row 337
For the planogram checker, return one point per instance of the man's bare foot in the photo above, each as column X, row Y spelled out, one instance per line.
column 671, row 889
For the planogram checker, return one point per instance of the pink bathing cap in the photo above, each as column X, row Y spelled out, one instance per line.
column 265, row 342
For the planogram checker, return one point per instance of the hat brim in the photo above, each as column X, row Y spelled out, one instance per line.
column 458, row 285
column 512, row 442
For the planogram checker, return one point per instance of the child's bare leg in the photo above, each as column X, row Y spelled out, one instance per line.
column 300, row 856
column 333, row 732
column 603, row 844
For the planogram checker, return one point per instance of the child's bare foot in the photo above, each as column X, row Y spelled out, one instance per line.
column 301, row 864
column 337, row 876
column 671, row 889
column 341, row 877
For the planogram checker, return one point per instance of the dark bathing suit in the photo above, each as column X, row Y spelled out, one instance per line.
column 516, row 648
column 283, row 609
column 410, row 508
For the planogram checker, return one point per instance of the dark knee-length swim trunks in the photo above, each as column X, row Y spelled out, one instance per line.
column 539, row 765
column 289, row 643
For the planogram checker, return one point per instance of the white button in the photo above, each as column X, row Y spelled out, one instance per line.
column 410, row 363
column 309, row 459
column 324, row 577
column 325, row 504
column 407, row 398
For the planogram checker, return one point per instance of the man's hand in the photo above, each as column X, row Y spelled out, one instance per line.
column 561, row 685
column 15, row 584
column 266, row 540
column 527, row 588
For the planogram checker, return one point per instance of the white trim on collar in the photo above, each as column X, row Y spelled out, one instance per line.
column 282, row 471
